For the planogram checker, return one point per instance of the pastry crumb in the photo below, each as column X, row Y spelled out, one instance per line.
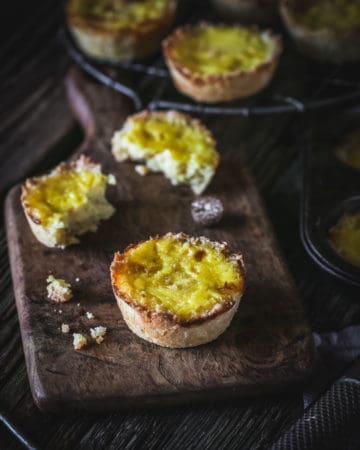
column 65, row 328
column 98, row 334
column 59, row 291
column 77, row 279
column 90, row 315
column 141, row 169
column 79, row 341
column 111, row 179
column 99, row 340
column 78, row 305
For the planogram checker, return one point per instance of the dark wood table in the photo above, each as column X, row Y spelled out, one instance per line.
column 34, row 116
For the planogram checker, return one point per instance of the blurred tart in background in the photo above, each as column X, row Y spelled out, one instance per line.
column 217, row 63
column 326, row 30
column 120, row 29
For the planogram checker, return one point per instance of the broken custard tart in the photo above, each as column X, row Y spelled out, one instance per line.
column 120, row 29
column 169, row 142
column 68, row 202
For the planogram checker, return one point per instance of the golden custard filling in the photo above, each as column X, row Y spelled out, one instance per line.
column 120, row 13
column 219, row 49
column 62, row 193
column 183, row 142
column 171, row 143
column 186, row 278
column 345, row 238
column 339, row 14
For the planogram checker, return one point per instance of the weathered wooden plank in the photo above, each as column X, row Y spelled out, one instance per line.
column 267, row 347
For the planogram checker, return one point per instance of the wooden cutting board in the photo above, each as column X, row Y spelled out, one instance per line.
column 268, row 346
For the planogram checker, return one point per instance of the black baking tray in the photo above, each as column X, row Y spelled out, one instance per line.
column 330, row 188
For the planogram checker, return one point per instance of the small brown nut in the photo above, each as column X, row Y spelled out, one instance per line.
column 207, row 210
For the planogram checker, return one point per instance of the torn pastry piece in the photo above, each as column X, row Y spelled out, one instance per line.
column 67, row 203
column 169, row 142
column 176, row 290
column 217, row 63
column 120, row 29
column 59, row 291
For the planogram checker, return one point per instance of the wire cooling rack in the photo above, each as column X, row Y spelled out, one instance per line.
column 316, row 86
column 299, row 85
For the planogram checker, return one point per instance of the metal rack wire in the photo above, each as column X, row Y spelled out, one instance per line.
column 327, row 86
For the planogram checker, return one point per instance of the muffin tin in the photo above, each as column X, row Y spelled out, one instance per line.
column 330, row 189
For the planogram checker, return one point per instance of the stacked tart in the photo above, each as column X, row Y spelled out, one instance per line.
column 326, row 30
column 120, row 29
column 216, row 63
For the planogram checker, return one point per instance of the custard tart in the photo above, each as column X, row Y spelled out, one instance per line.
column 178, row 291
column 169, row 142
column 68, row 202
column 217, row 63
column 326, row 30
column 120, row 29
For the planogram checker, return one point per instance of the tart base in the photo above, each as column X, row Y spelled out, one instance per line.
column 159, row 329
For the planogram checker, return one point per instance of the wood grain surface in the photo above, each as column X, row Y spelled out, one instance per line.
column 267, row 143
column 267, row 347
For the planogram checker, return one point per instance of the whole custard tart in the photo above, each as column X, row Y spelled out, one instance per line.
column 120, row 29
column 325, row 30
column 216, row 63
column 176, row 290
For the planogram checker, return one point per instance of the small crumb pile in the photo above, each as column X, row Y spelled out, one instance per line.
column 58, row 290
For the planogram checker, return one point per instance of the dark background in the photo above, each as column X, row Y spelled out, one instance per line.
column 34, row 117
